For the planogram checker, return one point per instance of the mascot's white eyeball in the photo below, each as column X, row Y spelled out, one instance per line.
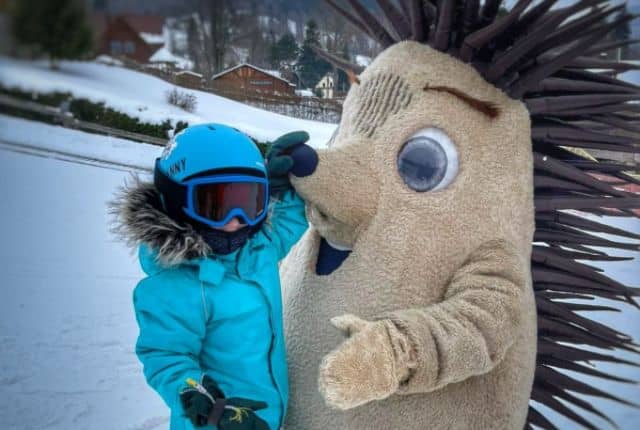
column 428, row 161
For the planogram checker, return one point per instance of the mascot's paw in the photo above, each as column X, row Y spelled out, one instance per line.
column 364, row 367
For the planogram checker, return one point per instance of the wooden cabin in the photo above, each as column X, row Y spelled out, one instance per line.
column 248, row 77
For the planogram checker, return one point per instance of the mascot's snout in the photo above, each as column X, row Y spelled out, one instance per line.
column 305, row 160
column 326, row 179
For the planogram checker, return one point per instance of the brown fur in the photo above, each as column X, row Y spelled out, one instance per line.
column 139, row 219
column 438, row 281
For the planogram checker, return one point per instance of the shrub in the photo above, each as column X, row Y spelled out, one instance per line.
column 185, row 101
column 86, row 110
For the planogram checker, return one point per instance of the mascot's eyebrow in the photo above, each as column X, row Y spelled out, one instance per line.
column 487, row 108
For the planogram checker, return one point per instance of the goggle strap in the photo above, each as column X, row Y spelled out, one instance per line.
column 174, row 195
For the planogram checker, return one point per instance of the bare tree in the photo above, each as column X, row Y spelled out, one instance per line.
column 219, row 33
column 208, row 32
column 196, row 45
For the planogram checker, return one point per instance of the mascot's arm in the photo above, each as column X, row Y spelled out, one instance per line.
column 470, row 331
column 423, row 349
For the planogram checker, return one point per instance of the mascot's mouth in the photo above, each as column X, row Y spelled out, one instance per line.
column 334, row 234
column 329, row 258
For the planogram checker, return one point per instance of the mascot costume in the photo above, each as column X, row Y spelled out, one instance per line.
column 431, row 290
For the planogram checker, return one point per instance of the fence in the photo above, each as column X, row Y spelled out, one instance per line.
column 311, row 108
column 66, row 119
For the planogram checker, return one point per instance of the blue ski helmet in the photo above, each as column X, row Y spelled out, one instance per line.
column 209, row 147
column 203, row 155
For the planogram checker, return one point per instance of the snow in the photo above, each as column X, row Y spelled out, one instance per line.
column 363, row 60
column 305, row 93
column 632, row 76
column 36, row 136
column 141, row 95
column 627, row 321
column 163, row 55
column 67, row 329
column 106, row 59
column 152, row 38
column 292, row 26
column 190, row 73
column 275, row 73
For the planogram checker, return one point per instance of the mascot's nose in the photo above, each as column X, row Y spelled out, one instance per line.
column 305, row 160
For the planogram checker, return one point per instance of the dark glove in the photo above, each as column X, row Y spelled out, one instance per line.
column 227, row 414
column 243, row 417
column 280, row 162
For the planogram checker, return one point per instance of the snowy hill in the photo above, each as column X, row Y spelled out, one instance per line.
column 143, row 96
column 67, row 328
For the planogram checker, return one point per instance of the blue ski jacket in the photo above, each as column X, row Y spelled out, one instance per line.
column 214, row 314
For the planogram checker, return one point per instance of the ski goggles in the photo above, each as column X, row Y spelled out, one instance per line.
column 215, row 200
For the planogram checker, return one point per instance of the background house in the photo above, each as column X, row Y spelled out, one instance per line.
column 248, row 77
column 325, row 87
column 137, row 37
column 189, row 79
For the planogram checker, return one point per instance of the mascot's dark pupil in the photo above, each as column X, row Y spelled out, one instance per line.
column 422, row 163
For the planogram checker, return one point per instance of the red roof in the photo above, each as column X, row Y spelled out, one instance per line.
column 139, row 23
column 145, row 23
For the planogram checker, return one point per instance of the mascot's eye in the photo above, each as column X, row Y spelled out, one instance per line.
column 428, row 161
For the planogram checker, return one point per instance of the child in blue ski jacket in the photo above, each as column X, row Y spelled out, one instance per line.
column 211, row 230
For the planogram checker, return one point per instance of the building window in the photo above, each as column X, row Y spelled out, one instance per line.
column 260, row 82
column 116, row 47
column 129, row 47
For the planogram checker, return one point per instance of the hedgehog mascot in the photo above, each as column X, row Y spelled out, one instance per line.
column 439, row 286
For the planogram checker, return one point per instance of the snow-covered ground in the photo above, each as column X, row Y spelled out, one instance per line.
column 17, row 133
column 67, row 329
column 143, row 96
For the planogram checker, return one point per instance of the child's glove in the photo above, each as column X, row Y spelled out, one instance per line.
column 205, row 404
column 289, row 154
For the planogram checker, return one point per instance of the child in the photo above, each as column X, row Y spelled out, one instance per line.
column 209, row 310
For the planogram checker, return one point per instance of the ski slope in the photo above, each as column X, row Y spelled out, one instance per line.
column 143, row 96
column 67, row 328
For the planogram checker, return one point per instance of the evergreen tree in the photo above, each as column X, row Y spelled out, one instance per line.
column 58, row 28
column 311, row 67
column 284, row 51
column 343, row 80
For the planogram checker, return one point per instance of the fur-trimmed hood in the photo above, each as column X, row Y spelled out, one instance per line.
column 139, row 220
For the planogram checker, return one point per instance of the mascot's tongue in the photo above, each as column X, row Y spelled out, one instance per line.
column 330, row 257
